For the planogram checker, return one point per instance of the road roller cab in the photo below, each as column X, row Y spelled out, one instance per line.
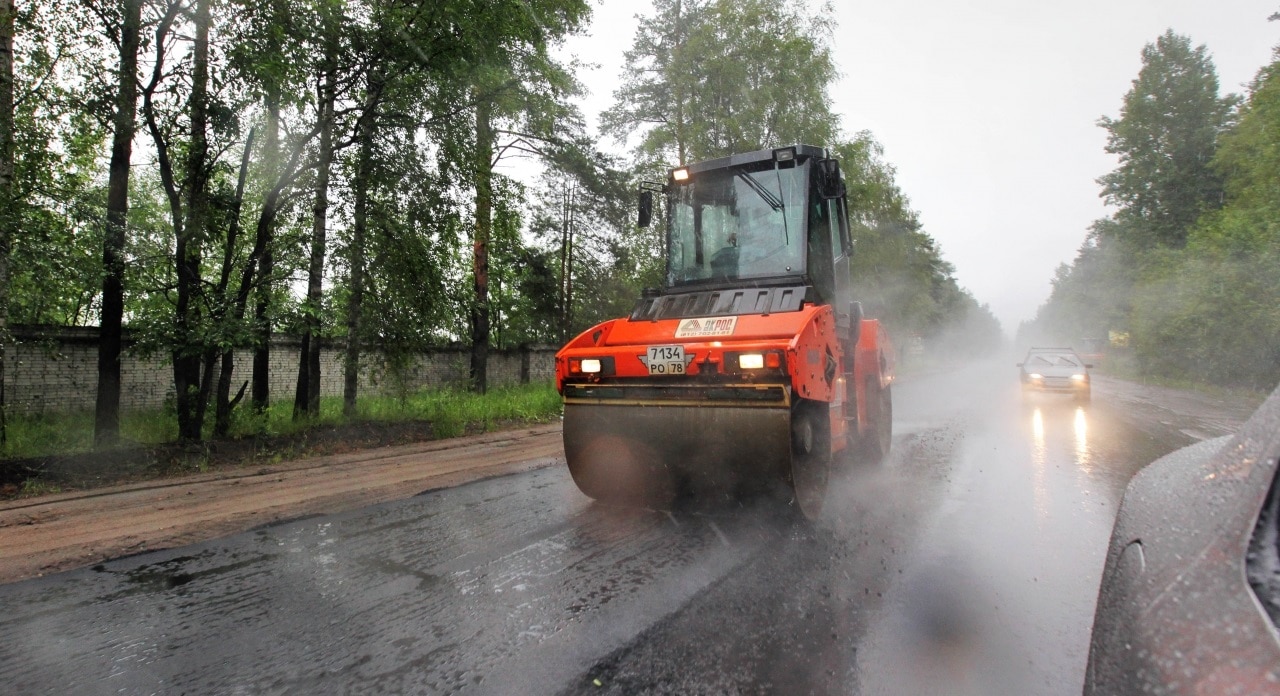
column 752, row 367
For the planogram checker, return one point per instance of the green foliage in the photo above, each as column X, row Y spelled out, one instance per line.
column 414, row 297
column 60, row 192
column 1211, row 315
column 708, row 78
column 414, row 67
column 1191, row 283
column 1214, row 308
column 1165, row 139
column 874, row 196
column 586, row 202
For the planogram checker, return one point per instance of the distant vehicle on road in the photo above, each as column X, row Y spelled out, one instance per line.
column 1056, row 370
column 1190, row 597
column 1093, row 350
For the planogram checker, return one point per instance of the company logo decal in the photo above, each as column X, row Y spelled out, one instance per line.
column 706, row 328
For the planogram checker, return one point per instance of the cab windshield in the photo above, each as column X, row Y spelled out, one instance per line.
column 738, row 222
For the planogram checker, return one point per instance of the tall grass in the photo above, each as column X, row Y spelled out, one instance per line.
column 450, row 412
column 44, row 434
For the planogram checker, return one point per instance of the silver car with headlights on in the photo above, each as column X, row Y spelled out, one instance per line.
column 1055, row 370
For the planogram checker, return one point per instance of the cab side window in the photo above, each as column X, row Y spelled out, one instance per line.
column 821, row 233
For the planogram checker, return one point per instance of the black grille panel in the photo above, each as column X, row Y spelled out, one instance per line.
column 719, row 303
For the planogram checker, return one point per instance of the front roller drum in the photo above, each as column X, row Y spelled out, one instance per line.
column 648, row 455
column 641, row 454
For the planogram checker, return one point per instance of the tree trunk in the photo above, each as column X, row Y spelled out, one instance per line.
column 355, row 301
column 207, row 361
column 106, row 422
column 266, row 267
column 187, row 351
column 300, row 393
column 8, row 201
column 233, row 315
column 351, row 374
column 223, row 405
column 568, row 274
column 682, row 141
column 261, row 394
column 307, row 400
column 564, row 267
column 480, row 245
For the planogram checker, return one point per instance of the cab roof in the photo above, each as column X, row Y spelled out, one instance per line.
column 802, row 151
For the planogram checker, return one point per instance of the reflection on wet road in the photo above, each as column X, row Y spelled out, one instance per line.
column 1000, row 589
column 967, row 564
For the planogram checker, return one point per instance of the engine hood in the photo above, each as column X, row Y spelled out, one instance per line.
column 705, row 329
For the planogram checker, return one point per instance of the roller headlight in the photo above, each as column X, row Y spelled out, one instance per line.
column 753, row 361
column 591, row 366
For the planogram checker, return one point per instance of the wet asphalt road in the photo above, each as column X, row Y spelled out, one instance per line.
column 966, row 564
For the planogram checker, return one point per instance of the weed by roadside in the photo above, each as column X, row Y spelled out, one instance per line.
column 52, row 450
column 35, row 487
column 451, row 413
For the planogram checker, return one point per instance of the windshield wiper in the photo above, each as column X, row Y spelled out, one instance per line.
column 768, row 196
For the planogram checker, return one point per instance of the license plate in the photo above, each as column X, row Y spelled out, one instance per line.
column 666, row 360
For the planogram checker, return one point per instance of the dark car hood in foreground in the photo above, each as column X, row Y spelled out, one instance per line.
column 1175, row 613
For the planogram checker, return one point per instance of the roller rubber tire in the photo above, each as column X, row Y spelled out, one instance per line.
column 810, row 458
column 874, row 446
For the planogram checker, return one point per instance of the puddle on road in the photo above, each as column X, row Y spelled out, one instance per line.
column 170, row 574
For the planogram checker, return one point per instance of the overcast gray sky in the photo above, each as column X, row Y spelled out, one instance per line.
column 988, row 111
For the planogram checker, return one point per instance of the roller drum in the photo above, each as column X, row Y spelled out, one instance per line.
column 649, row 454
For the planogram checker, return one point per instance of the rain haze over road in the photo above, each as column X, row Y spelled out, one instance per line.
column 968, row 563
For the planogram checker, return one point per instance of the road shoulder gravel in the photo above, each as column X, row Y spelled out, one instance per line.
column 60, row 532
